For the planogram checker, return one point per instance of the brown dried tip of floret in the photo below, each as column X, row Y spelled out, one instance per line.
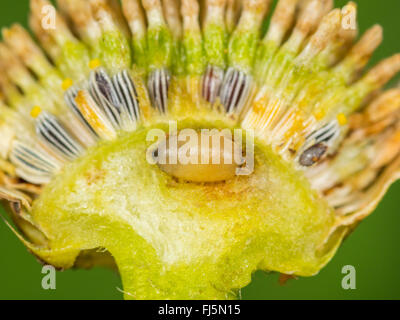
column 259, row 7
column 190, row 10
column 368, row 200
column 150, row 5
column 314, row 11
column 60, row 33
column 173, row 17
column 361, row 53
column 154, row 12
column 383, row 72
column 7, row 59
column 216, row 3
column 232, row 13
column 4, row 87
column 381, row 114
column 387, row 147
column 345, row 37
column 109, row 19
column 327, row 5
column 384, row 106
column 14, row 68
column 281, row 21
column 326, row 31
column 253, row 13
column 45, row 40
column 308, row 18
column 134, row 14
column 101, row 11
column 80, row 13
column 119, row 16
column 7, row 88
column 213, row 11
column 349, row 17
column 20, row 41
column 375, row 133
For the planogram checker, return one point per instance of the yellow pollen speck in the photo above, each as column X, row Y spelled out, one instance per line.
column 319, row 115
column 36, row 111
column 342, row 119
column 67, row 83
column 95, row 63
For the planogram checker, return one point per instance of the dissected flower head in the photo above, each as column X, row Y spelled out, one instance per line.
column 80, row 111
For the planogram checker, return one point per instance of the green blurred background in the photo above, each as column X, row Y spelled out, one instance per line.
column 374, row 249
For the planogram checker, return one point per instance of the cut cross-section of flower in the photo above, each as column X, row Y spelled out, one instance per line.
column 312, row 139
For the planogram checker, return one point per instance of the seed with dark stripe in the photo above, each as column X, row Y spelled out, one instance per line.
column 158, row 84
column 127, row 94
column 235, row 90
column 32, row 158
column 102, row 90
column 53, row 134
column 212, row 82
